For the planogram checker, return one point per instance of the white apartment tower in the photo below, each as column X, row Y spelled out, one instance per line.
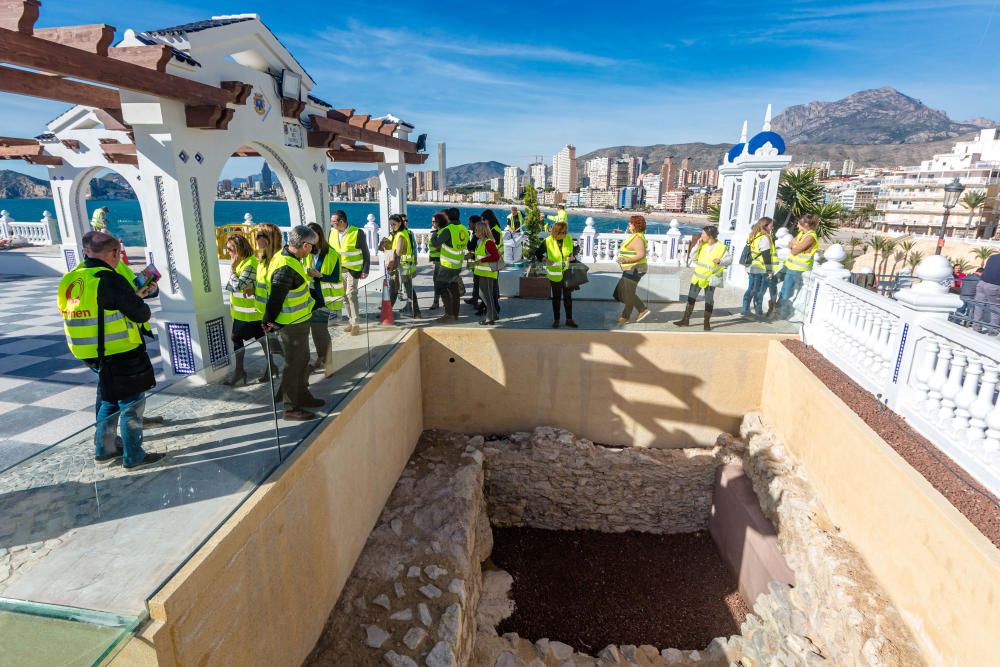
column 442, row 169
column 536, row 172
column 653, row 184
column 564, row 169
column 598, row 170
column 511, row 183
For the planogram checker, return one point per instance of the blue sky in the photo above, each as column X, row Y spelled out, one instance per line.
column 505, row 81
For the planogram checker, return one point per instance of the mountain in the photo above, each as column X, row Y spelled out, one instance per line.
column 474, row 172
column 709, row 156
column 349, row 175
column 880, row 116
column 111, row 186
column 15, row 185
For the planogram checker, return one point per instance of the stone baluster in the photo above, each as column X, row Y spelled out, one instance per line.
column 886, row 339
column 49, row 231
column 952, row 387
column 990, row 451
column 5, row 221
column 873, row 354
column 372, row 238
column 588, row 242
column 834, row 318
column 857, row 332
column 938, row 380
column 984, row 404
column 925, row 371
column 248, row 219
column 966, row 396
column 673, row 244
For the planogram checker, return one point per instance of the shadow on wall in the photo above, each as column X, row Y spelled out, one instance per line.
column 651, row 390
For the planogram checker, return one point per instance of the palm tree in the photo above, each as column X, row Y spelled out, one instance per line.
column 914, row 258
column 854, row 243
column 714, row 212
column 878, row 245
column 828, row 215
column 800, row 191
column 982, row 253
column 973, row 200
column 888, row 246
column 907, row 246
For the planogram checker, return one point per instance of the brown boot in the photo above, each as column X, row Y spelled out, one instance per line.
column 708, row 318
column 770, row 309
column 686, row 320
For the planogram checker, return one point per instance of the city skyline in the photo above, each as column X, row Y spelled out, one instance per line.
column 464, row 80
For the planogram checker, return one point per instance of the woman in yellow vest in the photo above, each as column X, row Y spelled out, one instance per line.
column 557, row 252
column 403, row 264
column 803, row 249
column 484, row 257
column 711, row 257
column 632, row 260
column 327, row 289
column 242, row 302
column 760, row 243
column 453, row 241
column 269, row 242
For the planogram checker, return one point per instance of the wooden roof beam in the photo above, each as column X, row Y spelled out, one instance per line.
column 26, row 51
column 239, row 90
column 19, row 15
column 6, row 142
column 348, row 131
column 359, row 120
column 340, row 114
column 90, row 38
column 356, row 156
column 48, row 160
column 152, row 56
column 416, row 158
column 245, row 151
column 388, row 128
column 32, row 84
column 20, row 152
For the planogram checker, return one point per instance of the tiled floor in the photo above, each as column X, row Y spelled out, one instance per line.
column 46, row 394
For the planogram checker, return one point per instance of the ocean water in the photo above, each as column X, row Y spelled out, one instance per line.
column 125, row 220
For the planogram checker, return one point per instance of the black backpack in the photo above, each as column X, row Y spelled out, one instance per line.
column 746, row 257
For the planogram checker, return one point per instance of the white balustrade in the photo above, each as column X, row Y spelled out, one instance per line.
column 941, row 378
column 29, row 233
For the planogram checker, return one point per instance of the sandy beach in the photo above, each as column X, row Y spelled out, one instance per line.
column 697, row 220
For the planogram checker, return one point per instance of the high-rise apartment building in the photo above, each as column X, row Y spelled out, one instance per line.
column 511, row 183
column 442, row 178
column 686, row 164
column 683, row 178
column 430, row 181
column 619, row 177
column 668, row 175
column 848, row 168
column 496, row 184
column 674, row 201
column 634, row 168
column 536, row 172
column 564, row 177
column 653, row 184
column 598, row 170
column 266, row 178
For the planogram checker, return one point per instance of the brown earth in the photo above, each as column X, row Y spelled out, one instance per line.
column 590, row 589
column 969, row 497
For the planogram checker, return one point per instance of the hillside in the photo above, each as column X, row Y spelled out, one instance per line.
column 880, row 116
column 474, row 172
column 15, row 185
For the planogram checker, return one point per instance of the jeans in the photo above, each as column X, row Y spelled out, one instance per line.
column 789, row 288
column 695, row 290
column 988, row 308
column 128, row 421
column 561, row 292
column 755, row 293
column 487, row 294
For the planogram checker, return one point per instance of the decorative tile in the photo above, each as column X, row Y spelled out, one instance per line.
column 168, row 240
column 206, row 281
column 218, row 346
column 181, row 349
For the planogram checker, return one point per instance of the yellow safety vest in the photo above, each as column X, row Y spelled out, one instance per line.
column 704, row 266
column 298, row 305
column 126, row 272
column 761, row 257
column 333, row 293
column 77, row 300
column 628, row 253
column 510, row 221
column 407, row 260
column 454, row 247
column 559, row 253
column 263, row 287
column 803, row 261
column 244, row 308
column 99, row 220
column 480, row 269
column 350, row 255
column 560, row 216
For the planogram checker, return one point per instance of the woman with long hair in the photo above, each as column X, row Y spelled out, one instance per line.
column 632, row 260
column 242, row 302
column 327, row 291
column 804, row 248
column 761, row 244
column 404, row 262
column 438, row 221
column 491, row 220
column 269, row 243
column 711, row 257
column 557, row 252
column 483, row 258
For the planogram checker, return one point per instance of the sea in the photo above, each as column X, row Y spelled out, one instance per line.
column 125, row 221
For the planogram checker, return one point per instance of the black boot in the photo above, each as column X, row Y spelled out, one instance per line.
column 686, row 320
column 708, row 317
column 770, row 309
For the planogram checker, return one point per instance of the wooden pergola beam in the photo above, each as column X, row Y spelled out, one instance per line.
column 208, row 117
column 112, row 119
column 122, row 159
column 27, row 51
column 20, row 152
column 359, row 120
column 239, row 90
column 291, row 108
column 388, row 128
column 356, row 156
column 340, row 114
column 48, row 160
column 72, row 144
column 32, row 84
column 152, row 56
column 19, row 15
column 17, row 141
column 90, row 38
column 416, row 158
column 348, row 131
column 245, row 151
column 319, row 139
column 118, row 149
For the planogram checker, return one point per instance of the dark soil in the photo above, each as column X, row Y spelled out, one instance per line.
column 590, row 589
column 977, row 504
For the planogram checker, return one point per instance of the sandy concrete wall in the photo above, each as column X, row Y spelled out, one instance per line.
column 260, row 591
column 938, row 569
column 650, row 389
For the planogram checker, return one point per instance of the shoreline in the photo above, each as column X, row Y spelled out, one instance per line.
column 692, row 219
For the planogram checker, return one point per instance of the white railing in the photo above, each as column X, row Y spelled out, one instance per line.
column 668, row 249
column 940, row 377
column 30, row 233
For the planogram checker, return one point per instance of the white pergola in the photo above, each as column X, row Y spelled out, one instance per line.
column 185, row 100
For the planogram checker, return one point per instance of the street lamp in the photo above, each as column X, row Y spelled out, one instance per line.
column 952, row 192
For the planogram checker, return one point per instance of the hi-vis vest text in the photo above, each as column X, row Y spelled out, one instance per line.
column 480, row 269
column 704, row 264
column 298, row 303
column 333, row 293
column 350, row 256
column 804, row 260
column 627, row 253
column 77, row 301
column 244, row 308
column 559, row 253
column 456, row 240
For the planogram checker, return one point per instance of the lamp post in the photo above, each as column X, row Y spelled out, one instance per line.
column 952, row 192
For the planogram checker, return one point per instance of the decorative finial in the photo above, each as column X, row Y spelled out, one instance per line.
column 743, row 133
column 767, row 119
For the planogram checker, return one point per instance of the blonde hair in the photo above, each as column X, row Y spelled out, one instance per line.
column 758, row 228
column 482, row 230
column 242, row 245
column 271, row 233
column 559, row 227
column 809, row 220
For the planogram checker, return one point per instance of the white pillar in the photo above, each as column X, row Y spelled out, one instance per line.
column 587, row 241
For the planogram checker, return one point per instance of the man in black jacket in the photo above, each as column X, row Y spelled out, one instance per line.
column 124, row 369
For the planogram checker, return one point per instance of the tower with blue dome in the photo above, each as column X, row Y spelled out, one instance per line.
column 749, row 176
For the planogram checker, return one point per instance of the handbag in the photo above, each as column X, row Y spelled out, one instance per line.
column 617, row 294
column 715, row 280
column 746, row 257
column 498, row 265
column 576, row 275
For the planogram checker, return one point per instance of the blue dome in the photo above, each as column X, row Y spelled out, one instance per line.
column 762, row 138
column 734, row 152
